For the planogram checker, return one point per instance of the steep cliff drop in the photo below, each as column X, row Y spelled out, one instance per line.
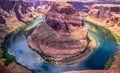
column 15, row 14
column 107, row 15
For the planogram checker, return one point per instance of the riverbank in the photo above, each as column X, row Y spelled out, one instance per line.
column 10, row 60
column 114, row 61
column 113, row 30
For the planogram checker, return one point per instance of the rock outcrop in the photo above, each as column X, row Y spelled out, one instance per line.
column 63, row 37
column 14, row 14
column 107, row 13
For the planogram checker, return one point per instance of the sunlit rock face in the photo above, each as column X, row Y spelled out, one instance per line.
column 107, row 13
column 17, row 10
column 63, row 36
column 14, row 14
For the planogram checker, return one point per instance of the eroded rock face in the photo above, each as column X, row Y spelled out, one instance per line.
column 108, row 14
column 95, row 71
column 14, row 14
column 18, row 9
column 100, row 12
column 62, row 38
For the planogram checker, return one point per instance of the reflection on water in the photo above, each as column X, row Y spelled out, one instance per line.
column 28, row 58
column 24, row 55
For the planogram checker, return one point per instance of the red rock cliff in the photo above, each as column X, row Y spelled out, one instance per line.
column 14, row 14
column 107, row 13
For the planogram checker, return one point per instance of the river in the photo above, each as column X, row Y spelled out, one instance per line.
column 17, row 46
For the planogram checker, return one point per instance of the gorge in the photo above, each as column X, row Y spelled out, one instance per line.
column 104, row 43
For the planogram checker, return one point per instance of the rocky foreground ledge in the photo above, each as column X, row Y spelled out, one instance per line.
column 63, row 38
column 95, row 71
column 13, row 15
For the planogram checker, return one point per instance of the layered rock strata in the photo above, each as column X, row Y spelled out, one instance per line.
column 107, row 15
column 14, row 14
column 63, row 37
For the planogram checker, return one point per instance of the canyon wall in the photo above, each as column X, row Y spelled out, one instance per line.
column 14, row 14
column 108, row 14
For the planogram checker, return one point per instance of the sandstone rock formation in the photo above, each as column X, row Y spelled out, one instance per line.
column 107, row 13
column 63, row 36
column 14, row 14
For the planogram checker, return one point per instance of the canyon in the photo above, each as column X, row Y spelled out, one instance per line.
column 107, row 15
column 14, row 15
column 56, row 40
column 58, row 32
